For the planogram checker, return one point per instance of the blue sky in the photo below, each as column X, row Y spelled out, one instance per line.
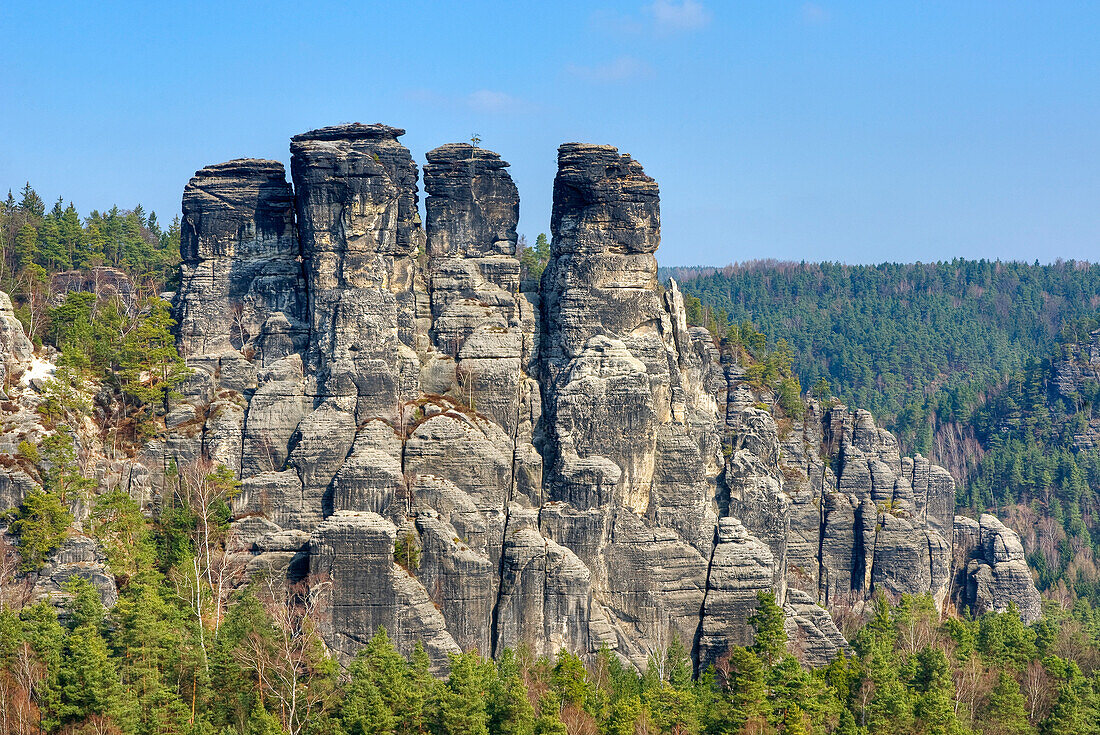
column 845, row 131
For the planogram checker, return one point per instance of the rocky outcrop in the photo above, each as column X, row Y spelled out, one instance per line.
column 79, row 556
column 360, row 231
column 102, row 281
column 430, row 447
column 991, row 571
column 15, row 349
column 240, row 265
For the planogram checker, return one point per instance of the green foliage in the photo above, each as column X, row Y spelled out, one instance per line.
column 1005, row 713
column 770, row 640
column 150, row 368
column 915, row 344
column 29, row 451
column 121, row 528
column 406, row 552
column 39, row 525
column 509, row 709
column 533, row 261
column 59, row 467
column 59, row 239
column 141, row 669
column 461, row 702
column 89, row 332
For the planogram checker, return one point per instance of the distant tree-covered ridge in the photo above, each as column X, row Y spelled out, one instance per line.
column 987, row 367
column 916, row 344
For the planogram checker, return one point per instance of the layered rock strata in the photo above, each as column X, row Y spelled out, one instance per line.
column 991, row 570
column 15, row 349
column 434, row 449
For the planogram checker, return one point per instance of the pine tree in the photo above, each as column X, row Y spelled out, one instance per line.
column 26, row 246
column 150, row 630
column 673, row 710
column 379, row 684
column 549, row 720
column 623, row 715
column 422, row 692
column 847, row 724
column 151, row 367
column 363, row 711
column 678, row 664
column 934, row 707
column 87, row 677
column 746, row 688
column 770, row 640
column 461, row 703
column 510, row 711
column 1072, row 712
column 1005, row 711
column 569, row 679
column 39, row 525
column 262, row 722
column 31, row 203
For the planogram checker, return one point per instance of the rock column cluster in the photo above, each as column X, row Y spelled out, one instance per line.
column 432, row 448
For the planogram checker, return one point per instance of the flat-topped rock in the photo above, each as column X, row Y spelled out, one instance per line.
column 351, row 131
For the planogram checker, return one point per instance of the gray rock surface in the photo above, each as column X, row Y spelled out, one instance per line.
column 79, row 556
column 240, row 259
column 435, row 449
column 991, row 571
column 15, row 349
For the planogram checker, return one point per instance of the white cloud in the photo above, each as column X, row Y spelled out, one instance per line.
column 487, row 100
column 660, row 17
column 621, row 69
column 678, row 15
column 609, row 21
column 813, row 14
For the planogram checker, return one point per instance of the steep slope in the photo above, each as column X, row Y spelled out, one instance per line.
column 916, row 344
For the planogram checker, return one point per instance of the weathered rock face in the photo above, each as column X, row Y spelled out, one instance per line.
column 431, row 448
column 240, row 265
column 103, row 281
column 360, row 234
column 15, row 349
column 991, row 571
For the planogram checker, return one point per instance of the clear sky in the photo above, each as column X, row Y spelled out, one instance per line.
column 824, row 130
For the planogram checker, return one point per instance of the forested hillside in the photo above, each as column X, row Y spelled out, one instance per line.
column 39, row 243
column 1040, row 462
column 916, row 344
column 990, row 368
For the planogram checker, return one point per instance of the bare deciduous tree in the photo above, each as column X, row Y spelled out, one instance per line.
column 1037, row 689
column 285, row 658
column 213, row 573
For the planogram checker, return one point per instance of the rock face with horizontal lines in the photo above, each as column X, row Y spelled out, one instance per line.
column 991, row 572
column 428, row 446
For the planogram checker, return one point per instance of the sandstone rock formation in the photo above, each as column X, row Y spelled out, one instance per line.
column 15, row 348
column 991, row 571
column 431, row 444
column 575, row 466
